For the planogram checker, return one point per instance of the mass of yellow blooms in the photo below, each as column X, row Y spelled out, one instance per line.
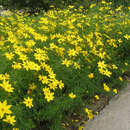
column 67, row 37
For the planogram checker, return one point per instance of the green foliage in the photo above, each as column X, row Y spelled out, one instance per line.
column 45, row 4
column 59, row 60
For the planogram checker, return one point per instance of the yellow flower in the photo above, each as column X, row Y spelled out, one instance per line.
column 107, row 73
column 22, row 57
column 101, row 65
column 114, row 67
column 126, row 64
column 49, row 70
column 115, row 91
column 76, row 120
column 92, row 5
column 43, row 79
column 51, row 6
column 4, row 76
column 29, row 65
column 89, row 112
column 120, row 78
column 30, row 43
column 52, row 46
column 106, row 88
column 16, row 65
column 97, row 97
column 10, row 119
column 32, row 86
column 9, row 56
column 91, row 75
column 71, row 95
column 76, row 65
column 97, row 113
column 101, row 8
column 90, row 116
column 53, row 85
column 119, row 8
column 15, row 129
column 61, row 84
column 103, row 2
column 52, row 75
column 7, row 87
column 46, row 90
column 4, row 109
column 80, row 128
column 41, row 55
column 49, row 96
column 127, row 36
column 119, row 32
column 102, row 55
column 72, row 52
column 66, row 62
column 28, row 102
column 119, row 40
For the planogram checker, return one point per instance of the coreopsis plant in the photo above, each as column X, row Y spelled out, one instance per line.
column 50, row 61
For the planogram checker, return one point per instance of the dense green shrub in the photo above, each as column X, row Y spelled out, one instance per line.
column 45, row 4
column 53, row 63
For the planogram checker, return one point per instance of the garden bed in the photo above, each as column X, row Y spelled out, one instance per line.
column 59, row 63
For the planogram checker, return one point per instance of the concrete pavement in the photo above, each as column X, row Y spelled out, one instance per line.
column 115, row 116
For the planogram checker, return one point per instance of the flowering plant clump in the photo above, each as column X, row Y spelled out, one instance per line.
column 50, row 61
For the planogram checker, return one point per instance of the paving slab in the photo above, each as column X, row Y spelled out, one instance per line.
column 115, row 116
